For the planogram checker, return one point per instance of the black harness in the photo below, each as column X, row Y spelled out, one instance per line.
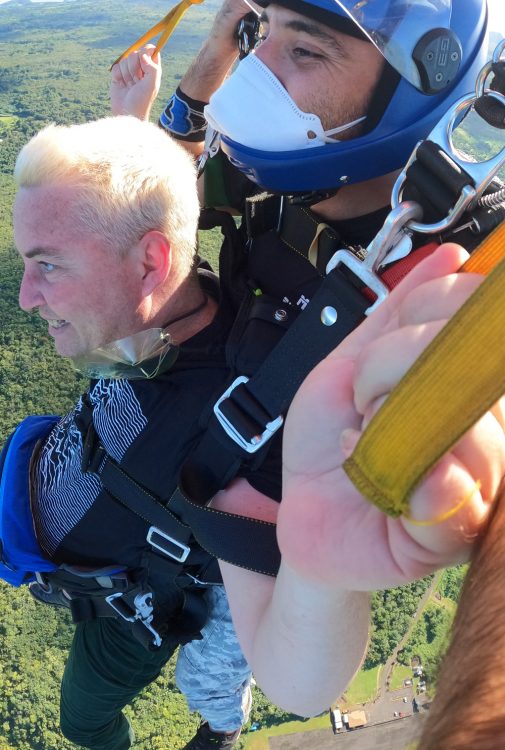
column 276, row 340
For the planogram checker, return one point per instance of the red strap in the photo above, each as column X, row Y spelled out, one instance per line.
column 395, row 273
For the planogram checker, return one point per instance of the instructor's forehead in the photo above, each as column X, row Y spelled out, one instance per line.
column 296, row 22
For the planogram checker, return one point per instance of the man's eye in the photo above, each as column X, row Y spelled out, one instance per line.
column 302, row 52
column 46, row 267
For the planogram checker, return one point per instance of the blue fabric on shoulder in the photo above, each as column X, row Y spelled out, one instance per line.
column 20, row 553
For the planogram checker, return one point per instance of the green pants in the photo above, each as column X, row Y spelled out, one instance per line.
column 106, row 668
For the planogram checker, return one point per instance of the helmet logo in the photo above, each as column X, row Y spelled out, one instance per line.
column 438, row 57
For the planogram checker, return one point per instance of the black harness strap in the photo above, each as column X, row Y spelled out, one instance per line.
column 166, row 532
column 247, row 417
column 435, row 181
column 238, row 432
column 248, row 414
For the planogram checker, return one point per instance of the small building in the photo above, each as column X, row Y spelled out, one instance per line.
column 357, row 719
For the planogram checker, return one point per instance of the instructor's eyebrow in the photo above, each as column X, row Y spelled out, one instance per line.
column 43, row 252
column 311, row 29
column 315, row 30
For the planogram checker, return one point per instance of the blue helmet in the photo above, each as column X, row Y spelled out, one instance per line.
column 413, row 95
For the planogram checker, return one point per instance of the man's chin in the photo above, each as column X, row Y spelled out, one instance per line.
column 67, row 349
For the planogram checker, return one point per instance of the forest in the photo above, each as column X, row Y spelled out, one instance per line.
column 55, row 68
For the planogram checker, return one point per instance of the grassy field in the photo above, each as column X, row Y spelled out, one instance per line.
column 400, row 673
column 259, row 740
column 364, row 687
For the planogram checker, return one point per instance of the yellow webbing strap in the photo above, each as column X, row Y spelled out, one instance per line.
column 165, row 27
column 451, row 385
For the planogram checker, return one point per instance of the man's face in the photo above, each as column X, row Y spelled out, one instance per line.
column 88, row 294
column 326, row 73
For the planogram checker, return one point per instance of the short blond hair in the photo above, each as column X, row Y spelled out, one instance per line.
column 131, row 176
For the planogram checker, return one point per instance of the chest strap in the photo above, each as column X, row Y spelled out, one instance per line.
column 250, row 412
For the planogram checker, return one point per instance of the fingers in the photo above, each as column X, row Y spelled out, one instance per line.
column 150, row 59
column 385, row 361
column 227, row 19
column 482, row 452
column 447, row 259
column 437, row 299
column 321, row 410
column 133, row 68
column 446, row 513
column 421, row 314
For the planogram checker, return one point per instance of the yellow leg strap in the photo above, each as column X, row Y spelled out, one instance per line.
column 165, row 27
column 454, row 382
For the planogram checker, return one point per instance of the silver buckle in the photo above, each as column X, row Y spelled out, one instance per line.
column 258, row 440
column 481, row 172
column 143, row 612
column 210, row 149
column 184, row 549
column 393, row 231
column 120, row 611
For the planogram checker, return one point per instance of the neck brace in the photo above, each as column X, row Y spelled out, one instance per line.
column 252, row 107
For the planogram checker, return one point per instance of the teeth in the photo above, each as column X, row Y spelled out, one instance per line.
column 56, row 323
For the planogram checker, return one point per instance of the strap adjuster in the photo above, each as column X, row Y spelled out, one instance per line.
column 175, row 549
column 120, row 606
column 142, row 613
column 258, row 441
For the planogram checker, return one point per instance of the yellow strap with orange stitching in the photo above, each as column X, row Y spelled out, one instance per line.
column 452, row 384
column 165, row 28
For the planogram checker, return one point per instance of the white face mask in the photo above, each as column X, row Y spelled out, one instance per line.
column 252, row 107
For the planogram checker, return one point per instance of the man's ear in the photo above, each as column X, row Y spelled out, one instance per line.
column 155, row 258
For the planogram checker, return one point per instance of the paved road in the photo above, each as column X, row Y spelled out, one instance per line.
column 387, row 702
column 393, row 735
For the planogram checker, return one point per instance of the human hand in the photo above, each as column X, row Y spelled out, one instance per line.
column 327, row 531
column 222, row 34
column 135, row 83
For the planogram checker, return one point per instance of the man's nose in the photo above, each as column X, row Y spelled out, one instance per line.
column 29, row 293
column 270, row 55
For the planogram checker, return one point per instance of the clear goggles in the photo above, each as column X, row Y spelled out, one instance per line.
column 397, row 28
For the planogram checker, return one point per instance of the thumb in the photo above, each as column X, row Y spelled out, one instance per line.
column 348, row 440
column 150, row 59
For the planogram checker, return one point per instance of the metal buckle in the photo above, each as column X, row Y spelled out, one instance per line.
column 184, row 549
column 43, row 582
column 253, row 445
column 210, row 149
column 393, row 231
column 143, row 612
column 121, row 611
column 198, row 582
column 481, row 172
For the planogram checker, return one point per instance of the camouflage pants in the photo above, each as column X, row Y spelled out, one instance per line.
column 107, row 668
column 212, row 673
